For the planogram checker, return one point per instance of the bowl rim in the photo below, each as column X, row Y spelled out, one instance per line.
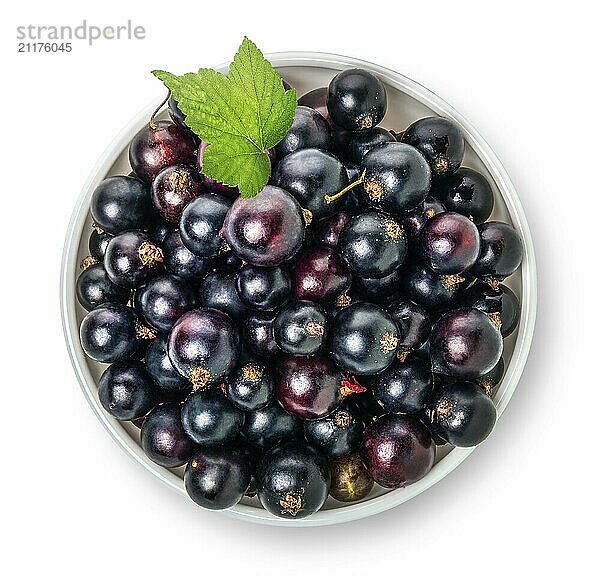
column 513, row 371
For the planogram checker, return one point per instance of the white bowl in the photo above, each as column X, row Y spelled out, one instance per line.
column 407, row 101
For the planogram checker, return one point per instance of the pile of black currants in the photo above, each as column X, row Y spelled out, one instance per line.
column 318, row 338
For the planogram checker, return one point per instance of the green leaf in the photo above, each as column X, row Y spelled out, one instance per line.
column 241, row 116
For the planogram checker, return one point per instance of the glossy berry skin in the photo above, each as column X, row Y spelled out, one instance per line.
column 163, row 438
column 501, row 251
column 257, row 330
column 414, row 221
column 397, row 177
column 440, row 141
column 162, row 300
column 320, row 275
column 131, row 259
column 337, row 434
column 356, row 100
column 449, row 243
column 397, row 450
column 126, row 391
column 300, row 328
column 361, row 142
column 462, row 414
column 97, row 244
column 350, row 480
column 178, row 259
column 270, row 425
column 467, row 192
column 326, row 232
column 502, row 305
column 204, row 346
column 267, row 229
column 173, row 188
column 161, row 370
column 263, row 289
column 159, row 229
column 218, row 291
column 217, row 478
column 364, row 339
column 94, row 288
column 380, row 291
column 373, row 244
column 108, row 333
column 317, row 100
column 431, row 290
column 293, row 480
column 155, row 147
column 489, row 381
column 201, row 224
column 309, row 130
column 310, row 175
column 121, row 203
column 414, row 325
column 210, row 184
column 250, row 387
column 404, row 387
column 311, row 387
column 209, row 418
column 465, row 344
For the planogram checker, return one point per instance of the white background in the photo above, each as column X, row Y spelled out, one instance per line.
column 524, row 504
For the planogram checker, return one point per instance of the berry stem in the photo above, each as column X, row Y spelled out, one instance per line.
column 359, row 181
column 156, row 111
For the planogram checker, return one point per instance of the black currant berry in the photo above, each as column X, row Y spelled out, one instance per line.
column 395, row 177
column 162, row 300
column 337, row 434
column 218, row 291
column 163, row 438
column 173, row 189
column 414, row 221
column 204, row 346
column 209, row 418
column 300, row 328
column 217, row 478
column 317, row 100
column 121, row 203
column 263, row 289
column 465, row 344
column 312, row 387
column 364, row 339
column 293, row 480
column 158, row 145
column 267, row 229
column 350, row 480
column 201, row 224
column 489, row 381
column 373, row 244
column 250, row 387
column 356, row 100
column 414, row 325
column 110, row 333
column 501, row 252
column 126, row 391
column 440, row 141
column 132, row 258
column 404, row 387
column 397, row 450
column 326, row 232
column 380, row 291
column 178, row 259
column 320, row 275
column 270, row 425
column 94, row 288
column 462, row 414
column 309, row 130
column 98, row 242
column 467, row 192
column 310, row 175
column 449, row 243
